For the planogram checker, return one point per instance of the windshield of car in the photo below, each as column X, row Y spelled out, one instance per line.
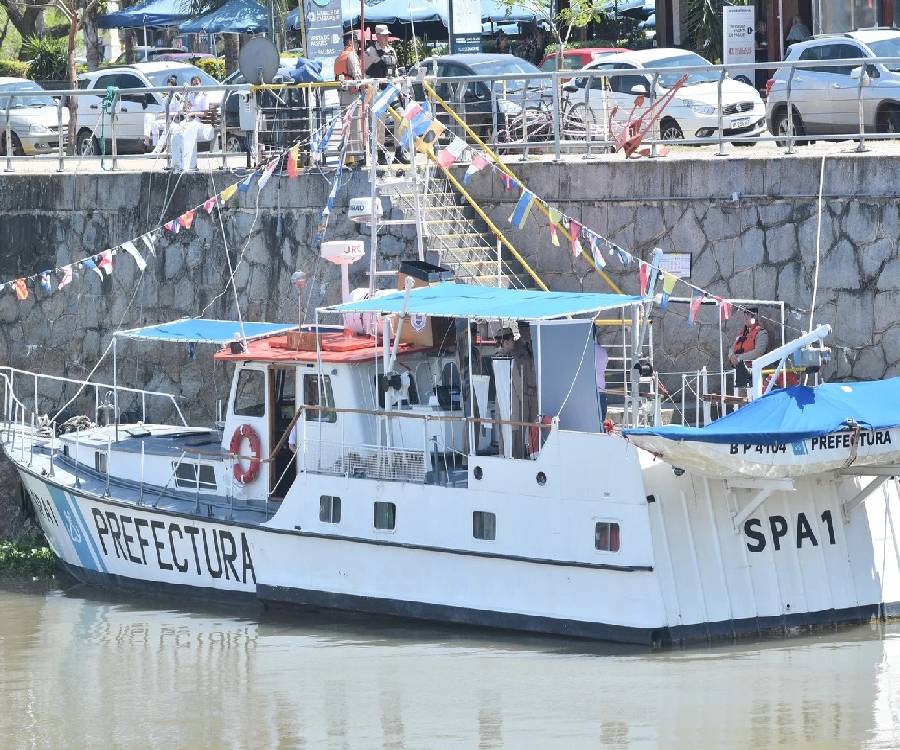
column 513, row 66
column 37, row 99
column 689, row 60
column 183, row 74
column 887, row 48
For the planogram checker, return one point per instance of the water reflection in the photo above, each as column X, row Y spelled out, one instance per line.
column 81, row 669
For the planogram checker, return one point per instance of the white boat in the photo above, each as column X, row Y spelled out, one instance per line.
column 398, row 502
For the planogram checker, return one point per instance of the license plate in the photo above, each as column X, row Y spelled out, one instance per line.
column 741, row 122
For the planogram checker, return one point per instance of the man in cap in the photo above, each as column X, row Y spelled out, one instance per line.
column 752, row 342
column 347, row 68
column 381, row 62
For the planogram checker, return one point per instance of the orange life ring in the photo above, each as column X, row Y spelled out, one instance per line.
column 242, row 475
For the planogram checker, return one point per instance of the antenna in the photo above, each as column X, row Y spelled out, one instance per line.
column 343, row 253
column 259, row 61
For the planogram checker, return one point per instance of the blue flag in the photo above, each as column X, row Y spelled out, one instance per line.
column 384, row 99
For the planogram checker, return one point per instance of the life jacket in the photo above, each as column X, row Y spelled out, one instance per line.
column 342, row 65
column 746, row 342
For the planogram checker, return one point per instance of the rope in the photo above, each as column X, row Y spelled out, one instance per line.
column 812, row 307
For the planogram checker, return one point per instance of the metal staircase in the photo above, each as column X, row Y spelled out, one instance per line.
column 453, row 235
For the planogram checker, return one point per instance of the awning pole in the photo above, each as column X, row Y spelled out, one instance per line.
column 115, row 392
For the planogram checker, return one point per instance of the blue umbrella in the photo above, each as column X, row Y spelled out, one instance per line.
column 148, row 13
column 234, row 17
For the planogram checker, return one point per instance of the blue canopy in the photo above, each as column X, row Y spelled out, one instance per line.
column 421, row 11
column 147, row 13
column 489, row 303
column 797, row 413
column 204, row 331
column 234, row 17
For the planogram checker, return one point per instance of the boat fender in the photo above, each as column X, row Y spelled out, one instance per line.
column 242, row 475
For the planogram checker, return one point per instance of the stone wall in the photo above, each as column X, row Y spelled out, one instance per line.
column 750, row 225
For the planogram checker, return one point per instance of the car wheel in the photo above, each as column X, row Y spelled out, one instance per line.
column 580, row 122
column 781, row 126
column 889, row 120
column 86, row 144
column 669, row 130
column 234, row 144
column 14, row 140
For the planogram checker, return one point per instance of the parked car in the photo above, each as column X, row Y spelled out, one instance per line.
column 576, row 59
column 692, row 113
column 162, row 54
column 135, row 112
column 484, row 104
column 33, row 118
column 824, row 100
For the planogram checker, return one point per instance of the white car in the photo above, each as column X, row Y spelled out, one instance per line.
column 33, row 118
column 694, row 110
column 135, row 113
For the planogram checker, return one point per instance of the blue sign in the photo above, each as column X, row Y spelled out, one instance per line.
column 324, row 32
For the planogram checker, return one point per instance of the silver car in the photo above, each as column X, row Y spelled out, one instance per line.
column 825, row 100
column 33, row 118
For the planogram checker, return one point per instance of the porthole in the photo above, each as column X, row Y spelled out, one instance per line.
column 541, row 478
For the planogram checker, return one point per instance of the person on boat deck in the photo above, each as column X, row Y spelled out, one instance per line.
column 523, row 386
column 466, row 337
column 601, row 360
column 752, row 342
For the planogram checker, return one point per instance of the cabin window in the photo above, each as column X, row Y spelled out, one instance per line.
column 606, row 536
column 186, row 476
column 385, row 516
column 100, row 462
column 329, row 509
column 311, row 397
column 484, row 525
column 250, row 394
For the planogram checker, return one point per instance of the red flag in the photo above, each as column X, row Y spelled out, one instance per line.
column 21, row 289
column 105, row 261
column 210, row 203
column 645, row 271
column 724, row 308
column 696, row 301
column 575, row 231
column 292, row 168
column 186, row 219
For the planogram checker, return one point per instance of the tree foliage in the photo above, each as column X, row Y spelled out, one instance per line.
column 48, row 58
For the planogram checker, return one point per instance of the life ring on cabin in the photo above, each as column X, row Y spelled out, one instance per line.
column 242, row 475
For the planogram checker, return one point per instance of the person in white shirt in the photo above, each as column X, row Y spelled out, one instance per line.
column 601, row 359
column 196, row 102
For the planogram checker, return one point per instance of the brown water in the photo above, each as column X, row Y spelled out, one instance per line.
column 80, row 669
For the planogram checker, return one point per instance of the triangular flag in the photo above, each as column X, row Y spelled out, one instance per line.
column 387, row 95
column 452, row 153
column 555, row 217
column 479, row 162
column 245, row 184
column 696, row 301
column 645, row 277
column 508, row 182
column 104, row 260
column 292, row 156
column 66, row 276
column 624, row 256
column 668, row 285
column 92, row 266
column 226, row 194
column 149, row 240
column 186, row 219
column 596, row 252
column 411, row 110
column 173, row 226
column 267, row 173
column 523, row 207
column 210, row 203
column 21, row 289
column 724, row 308
column 656, row 262
column 45, row 281
column 139, row 261
column 429, row 131
column 575, row 232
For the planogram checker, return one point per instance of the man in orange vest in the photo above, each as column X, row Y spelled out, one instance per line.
column 348, row 68
column 752, row 342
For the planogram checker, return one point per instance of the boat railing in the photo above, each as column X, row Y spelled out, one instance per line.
column 706, row 395
column 105, row 394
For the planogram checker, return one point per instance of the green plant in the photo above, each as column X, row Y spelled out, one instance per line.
column 214, row 66
column 26, row 557
column 410, row 51
column 48, row 58
column 13, row 69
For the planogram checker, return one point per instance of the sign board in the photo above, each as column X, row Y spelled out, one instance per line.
column 324, row 33
column 465, row 26
column 738, row 40
column 677, row 264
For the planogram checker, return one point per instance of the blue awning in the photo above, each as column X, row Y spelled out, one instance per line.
column 489, row 303
column 204, row 331
column 797, row 413
column 233, row 17
column 147, row 13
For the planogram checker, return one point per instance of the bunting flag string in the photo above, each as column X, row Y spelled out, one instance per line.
column 479, row 162
column 669, row 280
column 522, row 209
column 21, row 289
column 555, row 217
column 596, row 252
column 66, row 277
column 575, row 232
column 452, row 153
column 696, row 301
column 645, row 277
column 129, row 247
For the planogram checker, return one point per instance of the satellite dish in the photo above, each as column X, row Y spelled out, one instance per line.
column 259, row 61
